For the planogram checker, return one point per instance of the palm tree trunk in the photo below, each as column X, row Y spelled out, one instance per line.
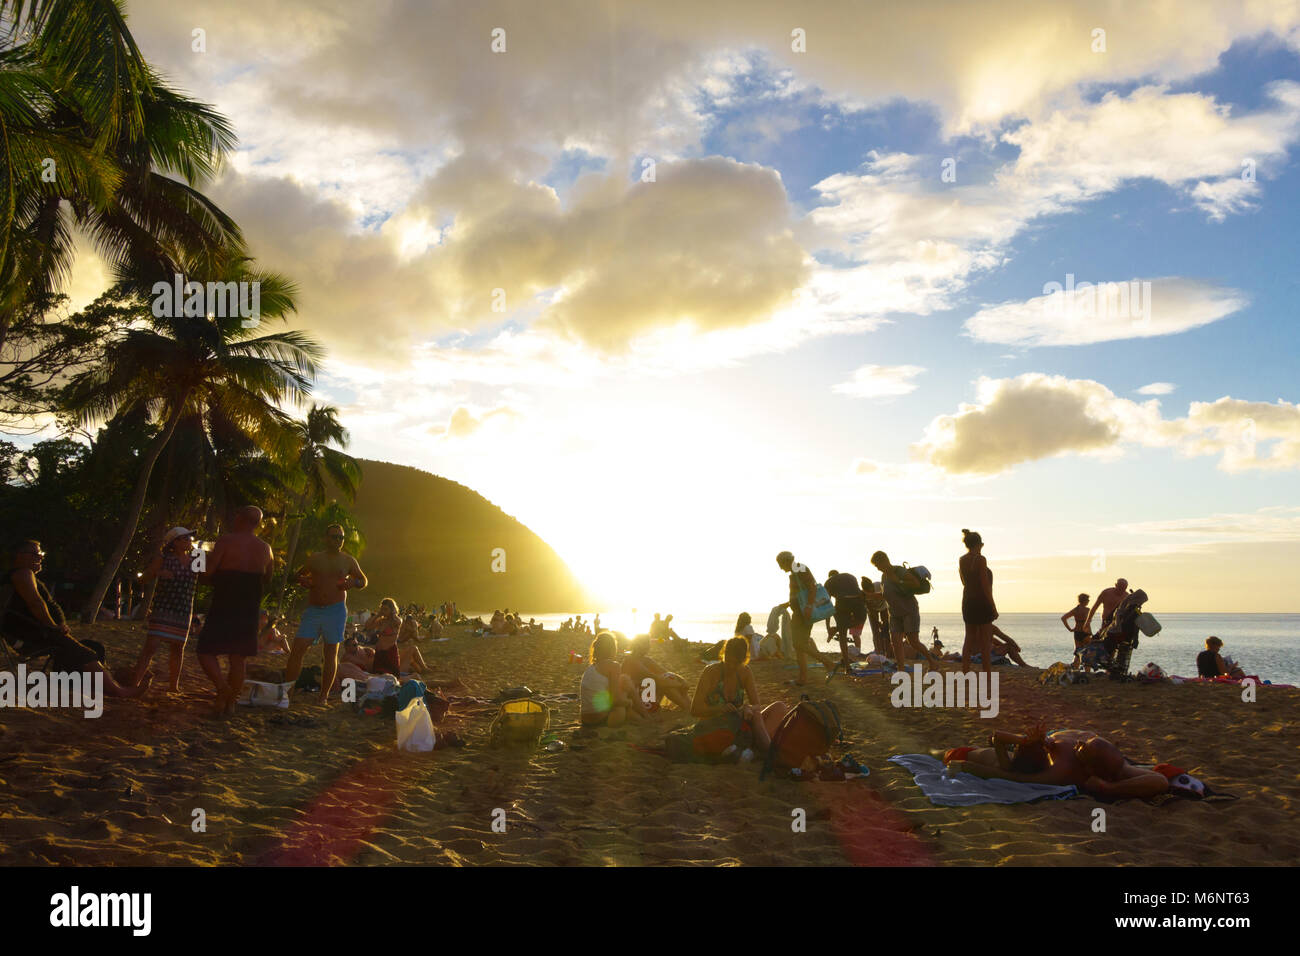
column 289, row 553
column 91, row 608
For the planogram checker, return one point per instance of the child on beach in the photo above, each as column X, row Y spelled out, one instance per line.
column 172, row 608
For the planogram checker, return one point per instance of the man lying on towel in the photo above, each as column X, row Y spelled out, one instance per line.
column 1077, row 757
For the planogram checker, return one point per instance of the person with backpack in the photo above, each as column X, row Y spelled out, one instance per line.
column 804, row 612
column 900, row 587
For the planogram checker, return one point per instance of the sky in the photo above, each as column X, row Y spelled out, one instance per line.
column 682, row 285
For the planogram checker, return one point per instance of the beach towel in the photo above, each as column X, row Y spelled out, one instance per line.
column 1259, row 682
column 966, row 789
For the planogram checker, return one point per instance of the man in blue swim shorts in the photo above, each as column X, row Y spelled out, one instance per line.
column 329, row 574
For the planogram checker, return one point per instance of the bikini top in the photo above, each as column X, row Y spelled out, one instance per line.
column 719, row 693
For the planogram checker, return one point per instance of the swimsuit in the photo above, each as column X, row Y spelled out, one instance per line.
column 235, row 618
column 173, row 601
column 719, row 694
column 975, row 607
column 327, row 621
column 387, row 661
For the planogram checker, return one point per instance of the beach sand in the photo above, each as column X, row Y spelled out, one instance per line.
column 323, row 785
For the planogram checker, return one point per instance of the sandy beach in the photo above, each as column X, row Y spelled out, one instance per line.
column 323, row 785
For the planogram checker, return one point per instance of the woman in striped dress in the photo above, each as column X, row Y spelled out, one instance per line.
column 168, row 620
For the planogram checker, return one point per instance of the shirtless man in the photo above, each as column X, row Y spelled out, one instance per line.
column 239, row 570
column 1076, row 757
column 1109, row 601
column 330, row 574
column 1080, row 617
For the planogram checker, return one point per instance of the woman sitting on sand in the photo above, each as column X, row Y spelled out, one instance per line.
column 721, row 693
column 639, row 667
column 608, row 696
column 1209, row 663
column 1063, row 757
column 386, row 625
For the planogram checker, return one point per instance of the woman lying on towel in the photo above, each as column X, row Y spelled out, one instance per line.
column 720, row 697
column 1063, row 757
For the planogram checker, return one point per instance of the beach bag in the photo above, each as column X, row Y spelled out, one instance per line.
column 806, row 731
column 415, row 728
column 520, row 721
column 257, row 693
column 769, row 646
column 309, row 680
column 823, row 606
column 922, row 575
column 1147, row 624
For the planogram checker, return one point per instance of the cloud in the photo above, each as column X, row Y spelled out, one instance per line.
column 464, row 422
column 880, row 381
column 1277, row 523
column 1157, row 388
column 1023, row 419
column 1036, row 416
column 1085, row 313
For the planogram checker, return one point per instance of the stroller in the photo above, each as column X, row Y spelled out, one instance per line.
column 1119, row 638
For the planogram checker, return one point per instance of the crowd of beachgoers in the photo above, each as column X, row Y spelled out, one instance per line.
column 622, row 682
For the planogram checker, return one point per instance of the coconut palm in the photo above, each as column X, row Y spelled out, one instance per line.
column 176, row 366
column 128, row 152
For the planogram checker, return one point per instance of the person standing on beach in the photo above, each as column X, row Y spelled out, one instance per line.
column 172, row 609
column 904, row 612
column 1108, row 600
column 803, row 592
column 1080, row 616
column 850, row 611
column 977, row 608
column 329, row 574
column 877, row 617
column 239, row 570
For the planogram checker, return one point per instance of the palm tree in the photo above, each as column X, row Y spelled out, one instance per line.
column 128, row 154
column 319, row 466
column 173, row 367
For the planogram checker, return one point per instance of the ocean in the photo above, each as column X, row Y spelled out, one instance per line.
column 1263, row 644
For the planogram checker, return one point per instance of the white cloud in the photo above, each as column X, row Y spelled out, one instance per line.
column 880, row 381
column 1036, row 416
column 1105, row 312
column 1157, row 388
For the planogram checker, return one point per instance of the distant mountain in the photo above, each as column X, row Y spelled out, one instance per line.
column 429, row 539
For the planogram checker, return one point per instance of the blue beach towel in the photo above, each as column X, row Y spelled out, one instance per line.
column 966, row 789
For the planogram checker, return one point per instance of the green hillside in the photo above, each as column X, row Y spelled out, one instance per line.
column 429, row 540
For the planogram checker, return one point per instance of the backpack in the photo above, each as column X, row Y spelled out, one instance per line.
column 806, row 731
column 520, row 721
column 922, row 574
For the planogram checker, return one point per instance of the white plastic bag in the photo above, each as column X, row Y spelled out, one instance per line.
column 261, row 694
column 415, row 728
